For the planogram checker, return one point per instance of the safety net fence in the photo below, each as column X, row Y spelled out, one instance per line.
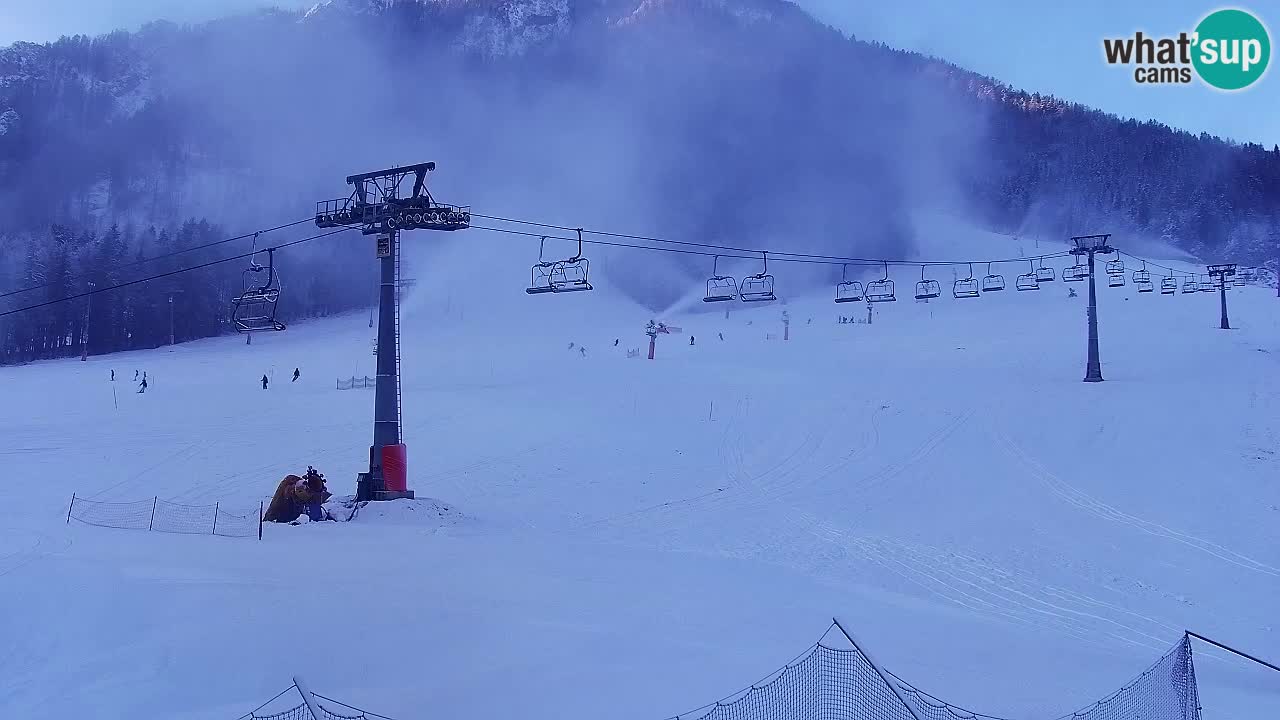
column 355, row 383
column 158, row 515
column 829, row 683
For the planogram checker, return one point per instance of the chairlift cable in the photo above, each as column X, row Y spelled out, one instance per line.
column 176, row 252
column 790, row 257
column 171, row 273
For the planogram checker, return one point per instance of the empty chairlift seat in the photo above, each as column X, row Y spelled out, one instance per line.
column 1189, row 285
column 1142, row 279
column 1169, row 286
column 1115, row 267
column 541, row 273
column 1115, row 279
column 1075, row 273
column 758, row 287
column 927, row 289
column 1027, row 280
column 254, row 309
column 570, row 275
column 992, row 282
column 848, row 290
column 966, row 287
column 720, row 288
column 881, row 290
column 1045, row 274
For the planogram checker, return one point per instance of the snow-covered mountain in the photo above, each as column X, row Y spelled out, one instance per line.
column 727, row 117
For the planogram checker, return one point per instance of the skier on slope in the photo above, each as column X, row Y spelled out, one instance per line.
column 142, row 387
column 135, row 376
column 296, row 373
column 264, row 382
column 690, row 341
column 113, row 376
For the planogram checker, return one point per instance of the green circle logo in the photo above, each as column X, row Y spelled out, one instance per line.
column 1232, row 49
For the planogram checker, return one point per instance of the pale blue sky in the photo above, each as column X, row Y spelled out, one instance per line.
column 1049, row 46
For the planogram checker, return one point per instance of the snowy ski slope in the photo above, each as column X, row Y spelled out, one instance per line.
column 634, row 539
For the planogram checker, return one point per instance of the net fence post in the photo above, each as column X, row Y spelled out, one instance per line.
column 215, row 518
column 875, row 666
column 307, row 698
column 259, row 519
column 69, row 507
column 154, row 501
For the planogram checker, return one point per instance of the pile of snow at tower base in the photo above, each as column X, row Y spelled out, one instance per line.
column 597, row 535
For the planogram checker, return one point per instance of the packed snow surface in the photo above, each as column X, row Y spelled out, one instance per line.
column 599, row 536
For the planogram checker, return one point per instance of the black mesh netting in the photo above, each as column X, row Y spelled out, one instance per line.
column 189, row 519
column 297, row 713
column 833, row 684
column 1165, row 691
column 129, row 516
column 164, row 516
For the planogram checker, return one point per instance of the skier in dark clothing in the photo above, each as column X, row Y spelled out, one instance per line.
column 615, row 341
column 113, row 376
column 264, row 382
column 690, row 340
column 296, row 373
column 143, row 387
column 135, row 376
column 721, row 335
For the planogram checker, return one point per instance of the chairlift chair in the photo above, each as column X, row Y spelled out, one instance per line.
column 758, row 287
column 1027, row 280
column 881, row 290
column 541, row 272
column 570, row 275
column 966, row 287
column 992, row 282
column 1115, row 267
column 927, row 289
column 1075, row 273
column 1142, row 279
column 254, row 309
column 1044, row 274
column 1189, row 285
column 1115, row 279
column 1169, row 286
column 1207, row 283
column 1240, row 281
column 848, row 290
column 720, row 288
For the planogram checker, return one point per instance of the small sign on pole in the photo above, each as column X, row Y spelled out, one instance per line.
column 384, row 246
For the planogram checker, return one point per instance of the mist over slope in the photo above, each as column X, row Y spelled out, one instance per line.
column 729, row 121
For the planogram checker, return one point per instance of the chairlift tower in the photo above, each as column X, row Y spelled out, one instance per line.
column 378, row 206
column 1091, row 245
column 1221, row 273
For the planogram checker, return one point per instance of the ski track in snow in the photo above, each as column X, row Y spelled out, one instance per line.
column 1082, row 500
